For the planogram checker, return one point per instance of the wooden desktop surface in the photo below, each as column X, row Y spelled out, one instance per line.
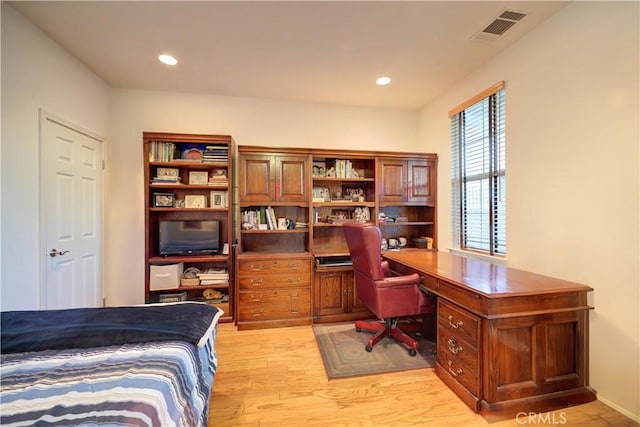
column 482, row 277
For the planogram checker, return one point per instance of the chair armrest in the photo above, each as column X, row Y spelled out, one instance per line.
column 407, row 280
column 386, row 269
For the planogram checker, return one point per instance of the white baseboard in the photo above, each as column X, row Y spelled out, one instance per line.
column 634, row 417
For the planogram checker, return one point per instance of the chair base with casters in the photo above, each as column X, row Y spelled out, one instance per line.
column 391, row 327
column 390, row 297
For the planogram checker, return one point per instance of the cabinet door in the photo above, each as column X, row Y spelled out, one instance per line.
column 421, row 185
column 354, row 302
column 291, row 179
column 256, row 178
column 393, row 180
column 331, row 292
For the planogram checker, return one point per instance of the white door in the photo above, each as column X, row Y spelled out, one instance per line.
column 70, row 215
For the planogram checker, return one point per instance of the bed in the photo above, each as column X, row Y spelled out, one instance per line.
column 151, row 365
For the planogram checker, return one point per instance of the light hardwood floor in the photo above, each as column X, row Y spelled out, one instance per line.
column 275, row 377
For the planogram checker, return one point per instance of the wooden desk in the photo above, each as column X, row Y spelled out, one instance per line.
column 508, row 341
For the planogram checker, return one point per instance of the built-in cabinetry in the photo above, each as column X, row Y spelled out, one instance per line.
column 188, row 218
column 407, row 193
column 274, row 259
column 292, row 204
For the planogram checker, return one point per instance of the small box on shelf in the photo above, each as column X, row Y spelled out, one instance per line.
column 177, row 297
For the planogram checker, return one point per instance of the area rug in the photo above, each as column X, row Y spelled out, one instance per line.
column 343, row 353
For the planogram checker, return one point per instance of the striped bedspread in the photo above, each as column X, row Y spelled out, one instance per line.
column 136, row 384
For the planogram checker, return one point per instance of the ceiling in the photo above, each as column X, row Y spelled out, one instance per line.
column 312, row 51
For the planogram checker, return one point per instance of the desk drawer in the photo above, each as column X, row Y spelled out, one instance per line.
column 274, row 305
column 464, row 324
column 267, row 266
column 459, row 359
column 270, row 281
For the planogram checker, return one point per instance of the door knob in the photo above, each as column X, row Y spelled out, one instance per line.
column 55, row 252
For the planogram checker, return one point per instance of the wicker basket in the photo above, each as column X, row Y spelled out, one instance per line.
column 190, row 282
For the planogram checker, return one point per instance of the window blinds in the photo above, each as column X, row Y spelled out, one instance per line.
column 479, row 175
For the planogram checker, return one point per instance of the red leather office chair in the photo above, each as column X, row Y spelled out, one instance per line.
column 388, row 297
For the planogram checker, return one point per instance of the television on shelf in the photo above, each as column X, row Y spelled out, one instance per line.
column 189, row 237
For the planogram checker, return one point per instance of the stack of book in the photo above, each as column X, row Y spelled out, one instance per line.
column 216, row 154
column 214, row 276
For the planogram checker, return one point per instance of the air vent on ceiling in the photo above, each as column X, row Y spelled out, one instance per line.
column 499, row 25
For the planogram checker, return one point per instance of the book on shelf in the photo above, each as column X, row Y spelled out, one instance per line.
column 161, row 151
column 271, row 218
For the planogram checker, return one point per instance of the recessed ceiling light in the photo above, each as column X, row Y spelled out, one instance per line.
column 168, row 59
column 382, row 81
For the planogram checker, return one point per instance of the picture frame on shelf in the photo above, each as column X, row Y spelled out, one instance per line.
column 319, row 170
column 219, row 199
column 192, row 201
column 163, row 200
column 198, row 177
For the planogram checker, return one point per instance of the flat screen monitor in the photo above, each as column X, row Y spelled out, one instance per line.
column 189, row 237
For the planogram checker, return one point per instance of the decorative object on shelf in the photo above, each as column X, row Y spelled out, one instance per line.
column 356, row 194
column 178, row 297
column 167, row 172
column 219, row 199
column 198, row 177
column 166, row 176
column 319, row 170
column 163, row 200
column 190, row 277
column 211, row 294
column 192, row 154
column 283, row 223
column 195, row 201
column 321, row 194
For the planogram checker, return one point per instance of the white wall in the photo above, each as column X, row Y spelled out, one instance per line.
column 251, row 122
column 36, row 73
column 572, row 127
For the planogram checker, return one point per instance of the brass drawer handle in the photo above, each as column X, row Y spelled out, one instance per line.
column 294, row 310
column 258, row 282
column 453, row 346
column 293, row 265
column 456, row 325
column 292, row 296
column 260, row 267
column 256, row 298
column 257, row 313
column 297, row 280
column 456, row 372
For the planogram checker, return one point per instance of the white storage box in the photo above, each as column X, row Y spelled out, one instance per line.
column 165, row 276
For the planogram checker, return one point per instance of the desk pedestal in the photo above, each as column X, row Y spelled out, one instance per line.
column 508, row 341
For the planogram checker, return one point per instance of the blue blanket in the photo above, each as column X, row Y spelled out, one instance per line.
column 24, row 331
